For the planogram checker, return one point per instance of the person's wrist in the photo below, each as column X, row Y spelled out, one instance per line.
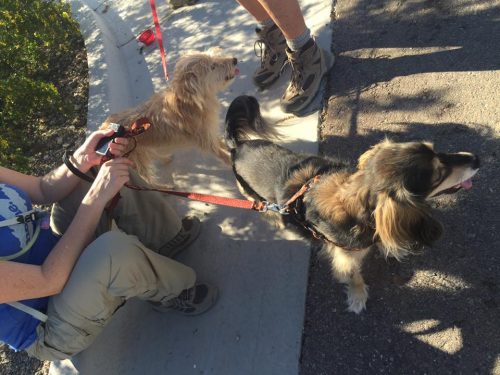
column 80, row 161
column 94, row 199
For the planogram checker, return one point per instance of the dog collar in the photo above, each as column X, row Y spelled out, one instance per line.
column 305, row 188
column 299, row 217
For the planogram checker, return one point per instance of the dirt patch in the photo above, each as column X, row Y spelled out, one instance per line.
column 70, row 76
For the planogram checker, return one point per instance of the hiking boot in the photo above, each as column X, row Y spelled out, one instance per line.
column 309, row 65
column 192, row 301
column 272, row 55
column 190, row 230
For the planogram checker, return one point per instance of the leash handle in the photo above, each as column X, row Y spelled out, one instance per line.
column 138, row 127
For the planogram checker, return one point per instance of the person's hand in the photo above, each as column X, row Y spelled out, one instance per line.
column 85, row 156
column 112, row 175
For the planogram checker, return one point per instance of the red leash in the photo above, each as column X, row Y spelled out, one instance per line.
column 261, row 206
column 159, row 38
column 212, row 199
column 143, row 124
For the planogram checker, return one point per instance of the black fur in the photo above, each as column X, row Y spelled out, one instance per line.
column 263, row 169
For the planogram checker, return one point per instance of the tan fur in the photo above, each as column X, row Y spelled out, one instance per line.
column 346, row 267
column 185, row 114
column 333, row 201
column 392, row 223
column 341, row 197
column 381, row 204
column 367, row 155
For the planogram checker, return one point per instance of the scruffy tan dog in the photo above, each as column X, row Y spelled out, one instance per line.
column 185, row 114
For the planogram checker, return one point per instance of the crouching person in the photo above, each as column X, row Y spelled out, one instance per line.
column 64, row 275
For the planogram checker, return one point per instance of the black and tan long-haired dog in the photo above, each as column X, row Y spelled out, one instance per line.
column 381, row 203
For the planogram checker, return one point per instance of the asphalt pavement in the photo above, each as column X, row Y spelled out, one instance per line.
column 416, row 70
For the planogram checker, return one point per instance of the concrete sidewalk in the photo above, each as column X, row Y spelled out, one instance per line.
column 262, row 274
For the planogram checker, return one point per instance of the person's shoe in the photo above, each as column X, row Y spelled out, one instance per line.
column 309, row 65
column 192, row 301
column 190, row 230
column 271, row 44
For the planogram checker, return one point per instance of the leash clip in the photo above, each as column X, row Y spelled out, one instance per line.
column 283, row 210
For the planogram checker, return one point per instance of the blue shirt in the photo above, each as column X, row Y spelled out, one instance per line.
column 17, row 328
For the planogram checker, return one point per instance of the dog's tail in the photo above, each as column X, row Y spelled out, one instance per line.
column 243, row 119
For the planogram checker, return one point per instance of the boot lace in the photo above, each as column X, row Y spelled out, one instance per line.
column 295, row 86
column 182, row 301
column 263, row 49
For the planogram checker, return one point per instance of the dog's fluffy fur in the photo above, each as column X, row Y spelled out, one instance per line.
column 381, row 203
column 185, row 114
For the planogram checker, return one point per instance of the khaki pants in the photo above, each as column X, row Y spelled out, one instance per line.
column 113, row 268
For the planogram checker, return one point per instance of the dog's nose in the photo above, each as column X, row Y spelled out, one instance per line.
column 475, row 162
column 235, row 61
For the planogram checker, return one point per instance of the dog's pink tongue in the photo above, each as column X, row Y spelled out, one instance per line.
column 236, row 71
column 467, row 184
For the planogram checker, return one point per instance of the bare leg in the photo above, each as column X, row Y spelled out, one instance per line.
column 255, row 9
column 287, row 16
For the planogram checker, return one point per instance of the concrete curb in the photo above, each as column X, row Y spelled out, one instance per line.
column 106, row 64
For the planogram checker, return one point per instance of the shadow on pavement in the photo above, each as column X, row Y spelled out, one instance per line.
column 441, row 36
column 436, row 312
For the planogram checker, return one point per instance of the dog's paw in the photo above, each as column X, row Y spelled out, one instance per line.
column 356, row 298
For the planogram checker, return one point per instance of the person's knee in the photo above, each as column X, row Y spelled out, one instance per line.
column 112, row 248
column 110, row 258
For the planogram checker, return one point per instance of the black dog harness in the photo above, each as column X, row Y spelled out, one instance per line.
column 295, row 208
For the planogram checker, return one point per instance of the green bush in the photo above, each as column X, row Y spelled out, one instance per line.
column 33, row 35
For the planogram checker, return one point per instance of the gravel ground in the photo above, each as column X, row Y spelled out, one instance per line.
column 70, row 76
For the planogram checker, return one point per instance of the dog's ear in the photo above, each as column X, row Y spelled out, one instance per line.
column 191, row 83
column 363, row 159
column 187, row 87
column 403, row 226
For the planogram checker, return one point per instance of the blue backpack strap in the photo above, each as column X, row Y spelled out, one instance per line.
column 25, row 217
